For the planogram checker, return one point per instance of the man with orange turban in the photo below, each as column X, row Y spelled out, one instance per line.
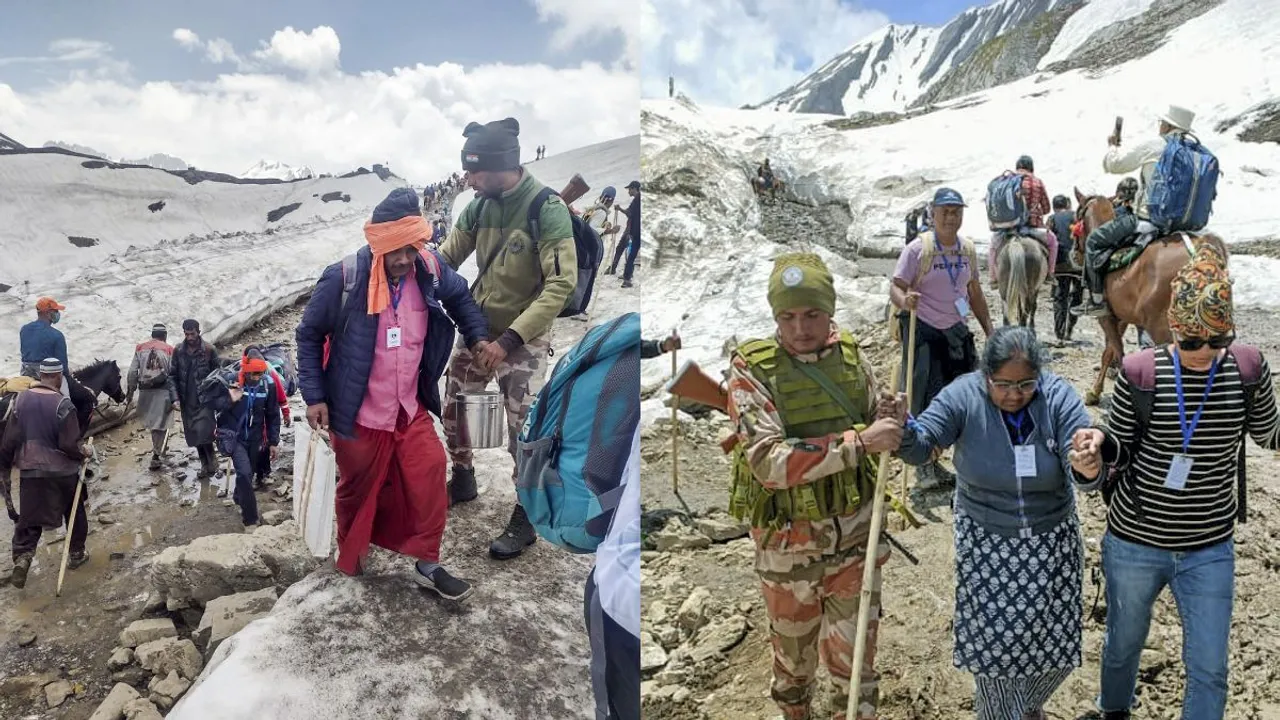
column 252, row 420
column 383, row 316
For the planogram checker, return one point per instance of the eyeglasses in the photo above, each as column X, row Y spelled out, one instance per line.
column 1022, row 386
column 1218, row 342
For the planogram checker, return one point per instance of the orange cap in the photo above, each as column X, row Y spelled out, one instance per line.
column 46, row 304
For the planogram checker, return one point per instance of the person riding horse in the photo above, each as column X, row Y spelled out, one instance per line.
column 1036, row 198
column 39, row 339
column 1114, row 235
column 1126, row 193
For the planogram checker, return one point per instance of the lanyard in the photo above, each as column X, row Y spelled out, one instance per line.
column 953, row 271
column 1015, row 422
column 396, row 290
column 1188, row 429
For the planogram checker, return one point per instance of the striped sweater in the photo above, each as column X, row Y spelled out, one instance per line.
column 1203, row 513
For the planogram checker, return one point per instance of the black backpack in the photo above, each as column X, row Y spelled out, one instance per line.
column 590, row 251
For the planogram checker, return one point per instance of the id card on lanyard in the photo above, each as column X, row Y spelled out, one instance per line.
column 1024, row 456
column 1180, row 465
column 953, row 272
column 393, row 333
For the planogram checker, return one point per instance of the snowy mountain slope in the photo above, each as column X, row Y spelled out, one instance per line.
column 398, row 652
column 123, row 248
column 1094, row 16
column 156, row 160
column 277, row 170
column 892, row 67
column 701, row 244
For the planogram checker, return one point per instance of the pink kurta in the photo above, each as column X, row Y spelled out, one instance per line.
column 393, row 379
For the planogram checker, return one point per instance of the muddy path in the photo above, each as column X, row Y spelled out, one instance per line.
column 134, row 514
column 914, row 653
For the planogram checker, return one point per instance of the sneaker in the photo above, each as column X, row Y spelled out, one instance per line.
column 462, row 488
column 518, row 536
column 443, row 584
column 21, row 566
column 626, row 284
column 76, row 559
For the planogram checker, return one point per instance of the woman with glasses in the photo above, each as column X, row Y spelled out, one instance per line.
column 1170, row 463
column 1018, row 548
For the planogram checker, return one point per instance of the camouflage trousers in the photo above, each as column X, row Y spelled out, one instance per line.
column 813, row 614
column 520, row 378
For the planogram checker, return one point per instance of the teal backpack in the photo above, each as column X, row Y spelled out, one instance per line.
column 577, row 437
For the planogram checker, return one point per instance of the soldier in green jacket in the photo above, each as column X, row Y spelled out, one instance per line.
column 520, row 292
column 804, row 471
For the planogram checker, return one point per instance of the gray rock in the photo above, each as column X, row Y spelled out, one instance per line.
column 652, row 656
column 677, row 536
column 113, row 707
column 164, row 693
column 121, row 658
column 217, row 565
column 722, row 529
column 274, row 517
column 718, row 637
column 25, row 636
column 161, row 656
column 131, row 675
column 141, row 709
column 225, row 616
column 155, row 603
column 145, row 631
column 56, row 692
column 693, row 612
column 26, row 687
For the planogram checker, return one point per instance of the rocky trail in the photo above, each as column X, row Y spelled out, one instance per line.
column 59, row 657
column 706, row 653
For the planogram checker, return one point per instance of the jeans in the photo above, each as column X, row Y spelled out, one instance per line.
column 630, row 269
column 1203, row 585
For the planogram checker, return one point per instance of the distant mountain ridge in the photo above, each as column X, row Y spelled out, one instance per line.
column 278, row 170
column 156, row 160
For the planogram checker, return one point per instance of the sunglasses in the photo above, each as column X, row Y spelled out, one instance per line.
column 1217, row 342
column 1022, row 386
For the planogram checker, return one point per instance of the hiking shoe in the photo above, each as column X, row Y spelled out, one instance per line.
column 518, row 536
column 76, row 559
column 155, row 462
column 21, row 565
column 626, row 284
column 462, row 488
column 932, row 476
column 443, row 584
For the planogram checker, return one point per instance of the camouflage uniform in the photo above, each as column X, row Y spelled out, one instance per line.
column 520, row 379
column 811, row 570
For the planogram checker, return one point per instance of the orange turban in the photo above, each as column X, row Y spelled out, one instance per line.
column 254, row 365
column 386, row 238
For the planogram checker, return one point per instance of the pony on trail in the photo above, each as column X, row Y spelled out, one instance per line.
column 1021, row 268
column 760, row 186
column 1138, row 293
column 100, row 376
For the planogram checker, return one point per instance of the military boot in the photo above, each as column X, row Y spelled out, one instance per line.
column 21, row 566
column 518, row 535
column 462, row 488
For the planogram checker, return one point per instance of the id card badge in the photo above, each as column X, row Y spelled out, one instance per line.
column 962, row 306
column 1179, row 471
column 393, row 337
column 1024, row 460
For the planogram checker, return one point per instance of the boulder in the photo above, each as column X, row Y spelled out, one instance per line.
column 722, row 528
column 678, row 536
column 693, row 612
column 26, row 687
column 56, row 692
column 274, row 517
column 162, row 656
column 216, row 565
column 113, row 707
column 141, row 709
column 225, row 616
column 652, row 656
column 718, row 637
column 145, row 631
column 131, row 675
column 164, row 693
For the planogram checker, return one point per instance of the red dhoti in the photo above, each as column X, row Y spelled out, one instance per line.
column 392, row 491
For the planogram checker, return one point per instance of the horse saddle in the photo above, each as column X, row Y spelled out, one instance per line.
column 16, row 384
column 1125, row 256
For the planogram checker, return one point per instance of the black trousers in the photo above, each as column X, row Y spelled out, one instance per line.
column 615, row 661
column 1098, row 247
column 1067, row 293
column 48, row 500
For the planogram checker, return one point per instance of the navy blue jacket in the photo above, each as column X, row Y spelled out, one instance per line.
column 354, row 335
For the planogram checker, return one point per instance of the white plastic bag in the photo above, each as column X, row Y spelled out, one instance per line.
column 314, row 487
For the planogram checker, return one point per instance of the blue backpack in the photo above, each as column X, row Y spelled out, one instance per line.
column 577, row 437
column 1006, row 206
column 1184, row 185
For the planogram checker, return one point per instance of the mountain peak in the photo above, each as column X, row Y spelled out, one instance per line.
column 275, row 169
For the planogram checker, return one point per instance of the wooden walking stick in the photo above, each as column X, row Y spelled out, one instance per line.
column 910, row 383
column 71, row 522
column 675, row 431
column 868, row 571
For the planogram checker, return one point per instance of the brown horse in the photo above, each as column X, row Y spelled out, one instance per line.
column 1138, row 294
column 759, row 186
column 1021, row 268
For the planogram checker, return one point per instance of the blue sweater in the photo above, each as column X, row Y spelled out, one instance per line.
column 354, row 332
column 38, row 340
column 988, row 489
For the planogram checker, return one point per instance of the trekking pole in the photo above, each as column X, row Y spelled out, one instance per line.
column 910, row 383
column 869, row 570
column 71, row 522
column 675, row 433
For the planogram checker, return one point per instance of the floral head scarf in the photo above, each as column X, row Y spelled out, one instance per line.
column 1201, row 303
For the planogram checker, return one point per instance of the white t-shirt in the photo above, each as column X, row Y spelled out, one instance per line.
column 618, row 556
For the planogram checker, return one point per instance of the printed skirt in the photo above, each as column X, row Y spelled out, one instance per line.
column 1018, row 600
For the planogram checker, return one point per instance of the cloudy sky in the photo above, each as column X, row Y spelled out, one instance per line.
column 733, row 52
column 328, row 84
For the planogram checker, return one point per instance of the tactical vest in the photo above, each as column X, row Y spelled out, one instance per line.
column 807, row 411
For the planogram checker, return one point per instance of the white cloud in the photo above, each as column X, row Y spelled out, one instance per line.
column 313, row 52
column 65, row 50
column 591, row 20
column 332, row 121
column 734, row 52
